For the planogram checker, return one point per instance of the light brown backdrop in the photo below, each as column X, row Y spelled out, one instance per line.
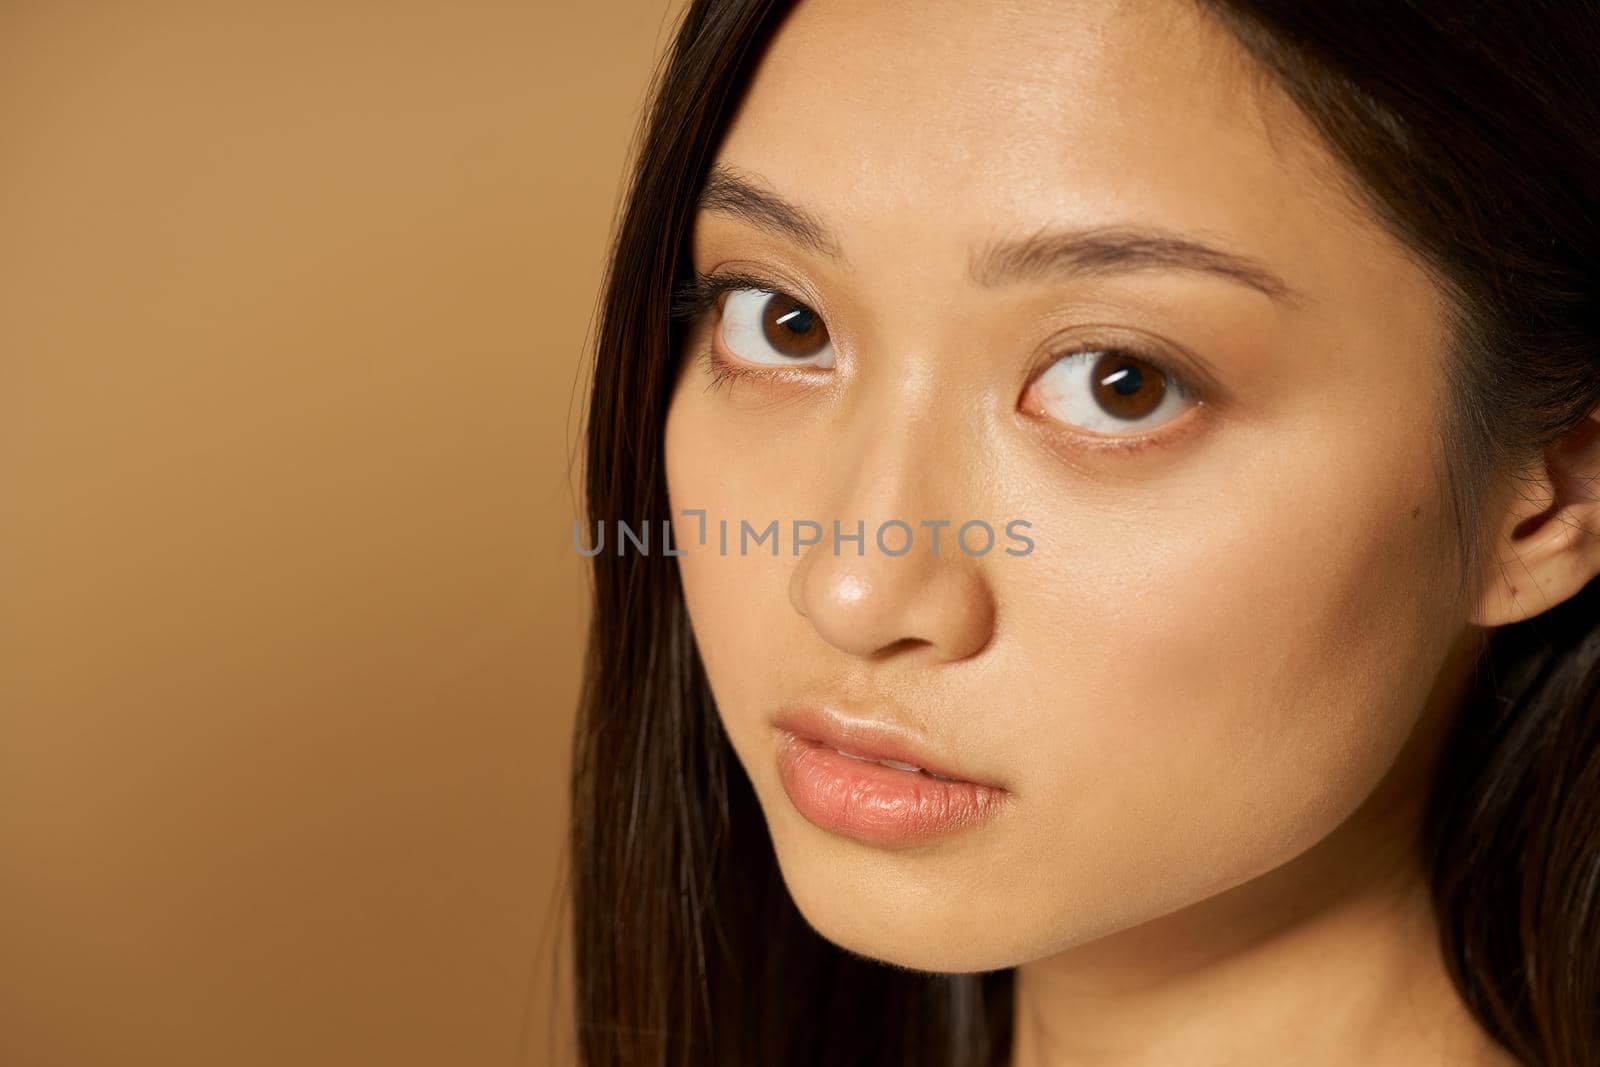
column 292, row 303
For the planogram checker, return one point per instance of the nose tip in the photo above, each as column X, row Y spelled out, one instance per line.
column 875, row 605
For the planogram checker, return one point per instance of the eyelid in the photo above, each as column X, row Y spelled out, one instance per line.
column 1174, row 361
column 694, row 296
column 1180, row 379
column 697, row 293
column 1075, row 442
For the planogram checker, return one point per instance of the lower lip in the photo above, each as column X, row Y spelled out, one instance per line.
column 874, row 804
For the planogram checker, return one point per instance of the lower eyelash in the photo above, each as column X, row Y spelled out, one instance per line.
column 722, row 372
column 720, row 369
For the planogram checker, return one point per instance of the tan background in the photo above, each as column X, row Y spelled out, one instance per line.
column 293, row 297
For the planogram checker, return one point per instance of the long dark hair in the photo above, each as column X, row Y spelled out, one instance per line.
column 1471, row 130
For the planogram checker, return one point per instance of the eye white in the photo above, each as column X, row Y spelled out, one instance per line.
column 1065, row 392
column 744, row 333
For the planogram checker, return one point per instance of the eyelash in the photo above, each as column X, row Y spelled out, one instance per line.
column 722, row 371
column 695, row 295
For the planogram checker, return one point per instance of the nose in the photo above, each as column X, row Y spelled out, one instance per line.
column 874, row 603
column 890, row 572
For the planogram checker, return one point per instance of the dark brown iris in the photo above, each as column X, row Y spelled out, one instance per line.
column 792, row 328
column 1125, row 387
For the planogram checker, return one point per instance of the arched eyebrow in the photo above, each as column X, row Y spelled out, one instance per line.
column 1117, row 249
column 730, row 192
column 1048, row 252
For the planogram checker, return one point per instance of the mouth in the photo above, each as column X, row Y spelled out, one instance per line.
column 874, row 781
column 899, row 765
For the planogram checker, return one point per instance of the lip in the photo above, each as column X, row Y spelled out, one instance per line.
column 826, row 762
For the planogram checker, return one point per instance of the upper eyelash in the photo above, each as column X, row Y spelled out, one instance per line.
column 1180, row 382
column 694, row 295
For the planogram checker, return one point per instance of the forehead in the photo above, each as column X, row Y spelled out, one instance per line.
column 880, row 116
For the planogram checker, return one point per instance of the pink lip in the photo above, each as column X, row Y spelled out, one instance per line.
column 867, row 801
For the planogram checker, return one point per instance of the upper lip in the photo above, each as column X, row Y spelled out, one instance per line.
column 872, row 738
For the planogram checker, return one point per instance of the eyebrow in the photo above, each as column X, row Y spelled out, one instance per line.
column 1048, row 252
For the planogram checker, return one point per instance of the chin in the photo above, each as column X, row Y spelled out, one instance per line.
column 918, row 921
column 908, row 942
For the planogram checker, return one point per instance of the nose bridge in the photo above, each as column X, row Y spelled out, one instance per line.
column 913, row 409
column 910, row 440
column 903, row 488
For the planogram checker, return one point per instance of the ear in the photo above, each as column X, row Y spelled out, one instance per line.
column 1547, row 544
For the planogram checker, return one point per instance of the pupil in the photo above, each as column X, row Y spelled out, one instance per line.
column 1128, row 380
column 798, row 321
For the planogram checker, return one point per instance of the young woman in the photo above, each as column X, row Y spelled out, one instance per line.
column 1244, row 360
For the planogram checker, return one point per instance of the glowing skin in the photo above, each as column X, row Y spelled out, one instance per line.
column 1212, row 689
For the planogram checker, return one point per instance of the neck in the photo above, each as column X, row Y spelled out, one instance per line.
column 1330, row 959
column 1349, row 978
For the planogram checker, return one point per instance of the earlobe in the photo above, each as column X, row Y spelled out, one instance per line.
column 1547, row 543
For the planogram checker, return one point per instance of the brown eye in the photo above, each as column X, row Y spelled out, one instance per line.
column 1126, row 388
column 1107, row 390
column 792, row 328
column 771, row 328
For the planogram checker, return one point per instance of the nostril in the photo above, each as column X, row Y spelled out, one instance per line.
column 903, row 644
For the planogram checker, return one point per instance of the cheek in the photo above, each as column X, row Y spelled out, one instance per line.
column 737, row 603
column 1190, row 692
column 1237, row 685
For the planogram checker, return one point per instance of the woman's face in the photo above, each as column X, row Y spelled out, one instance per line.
column 1220, row 641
